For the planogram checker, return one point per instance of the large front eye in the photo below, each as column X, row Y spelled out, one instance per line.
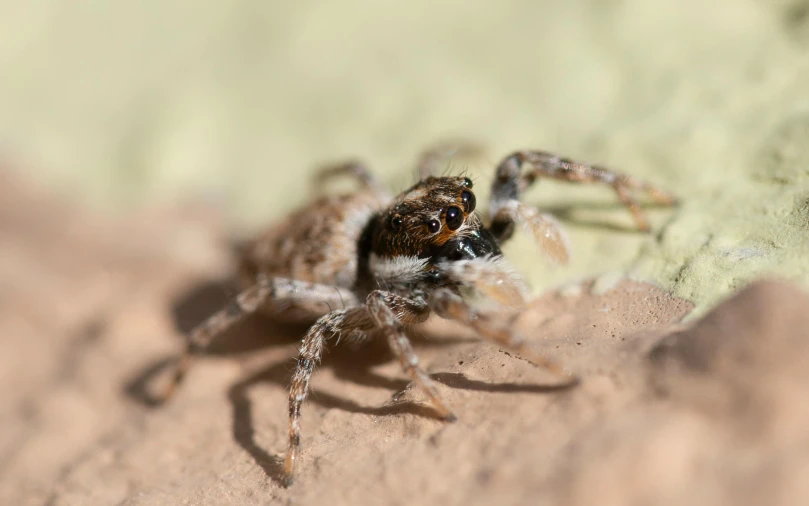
column 396, row 223
column 454, row 218
column 468, row 199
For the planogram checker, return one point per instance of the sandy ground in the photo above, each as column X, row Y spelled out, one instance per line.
column 126, row 103
column 665, row 413
column 115, row 115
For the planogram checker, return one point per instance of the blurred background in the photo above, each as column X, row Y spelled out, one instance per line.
column 121, row 105
column 137, row 138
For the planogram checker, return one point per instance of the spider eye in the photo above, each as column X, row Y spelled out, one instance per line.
column 433, row 226
column 396, row 223
column 467, row 182
column 468, row 199
column 454, row 218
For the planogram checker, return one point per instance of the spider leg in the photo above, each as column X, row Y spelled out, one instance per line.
column 354, row 168
column 546, row 231
column 431, row 159
column 449, row 305
column 311, row 350
column 509, row 183
column 383, row 311
column 246, row 303
column 389, row 311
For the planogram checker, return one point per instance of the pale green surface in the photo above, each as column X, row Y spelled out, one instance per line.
column 131, row 102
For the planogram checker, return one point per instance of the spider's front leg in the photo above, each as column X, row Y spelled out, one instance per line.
column 332, row 324
column 265, row 289
column 389, row 312
column 510, row 182
column 494, row 326
column 384, row 312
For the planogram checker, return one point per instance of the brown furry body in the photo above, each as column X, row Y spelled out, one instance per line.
column 368, row 264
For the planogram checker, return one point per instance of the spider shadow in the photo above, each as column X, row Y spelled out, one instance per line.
column 344, row 367
column 458, row 380
column 193, row 307
column 353, row 366
column 568, row 213
column 351, row 363
column 258, row 332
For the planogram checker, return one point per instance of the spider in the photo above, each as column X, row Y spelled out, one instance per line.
column 389, row 262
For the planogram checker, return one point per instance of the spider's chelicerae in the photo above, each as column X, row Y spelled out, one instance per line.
column 388, row 262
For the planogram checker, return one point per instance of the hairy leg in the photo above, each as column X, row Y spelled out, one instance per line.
column 247, row 302
column 383, row 311
column 332, row 324
column 510, row 182
column 388, row 312
column 447, row 304
column 546, row 231
column 354, row 168
column 431, row 159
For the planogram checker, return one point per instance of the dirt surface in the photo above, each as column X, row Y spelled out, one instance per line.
column 131, row 107
column 135, row 102
column 91, row 309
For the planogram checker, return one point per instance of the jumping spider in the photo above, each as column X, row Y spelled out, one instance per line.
column 388, row 262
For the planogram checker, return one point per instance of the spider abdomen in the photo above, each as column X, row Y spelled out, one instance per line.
column 317, row 244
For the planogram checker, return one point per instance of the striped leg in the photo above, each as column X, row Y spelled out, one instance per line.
column 246, row 303
column 332, row 324
column 451, row 306
column 380, row 313
column 509, row 182
column 389, row 311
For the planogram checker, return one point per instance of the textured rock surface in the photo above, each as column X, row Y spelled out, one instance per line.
column 664, row 414
column 142, row 104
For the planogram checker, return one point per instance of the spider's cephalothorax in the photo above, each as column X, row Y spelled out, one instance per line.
column 387, row 263
column 431, row 220
column 423, row 230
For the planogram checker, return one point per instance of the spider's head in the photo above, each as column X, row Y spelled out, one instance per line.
column 435, row 220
